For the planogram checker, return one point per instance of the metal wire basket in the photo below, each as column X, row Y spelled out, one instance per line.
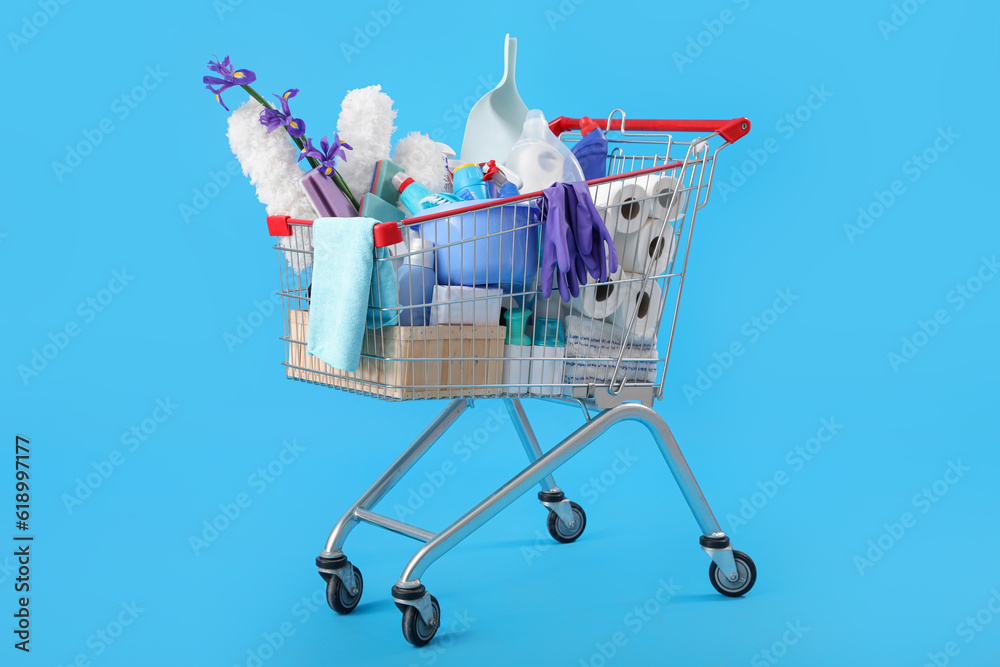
column 487, row 261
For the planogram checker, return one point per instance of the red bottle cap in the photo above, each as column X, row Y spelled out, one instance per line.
column 587, row 125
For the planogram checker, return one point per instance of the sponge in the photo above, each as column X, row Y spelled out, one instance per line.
column 373, row 206
column 382, row 186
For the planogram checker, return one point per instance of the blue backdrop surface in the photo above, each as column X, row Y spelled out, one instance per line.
column 181, row 487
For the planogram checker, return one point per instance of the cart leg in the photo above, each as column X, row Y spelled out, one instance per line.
column 567, row 519
column 342, row 578
column 409, row 591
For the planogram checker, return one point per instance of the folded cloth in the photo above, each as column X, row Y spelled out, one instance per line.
column 347, row 294
column 592, row 348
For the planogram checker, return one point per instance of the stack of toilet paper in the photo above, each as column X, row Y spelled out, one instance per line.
column 637, row 212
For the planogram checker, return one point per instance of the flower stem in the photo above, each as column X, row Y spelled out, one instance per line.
column 313, row 162
column 298, row 142
column 339, row 180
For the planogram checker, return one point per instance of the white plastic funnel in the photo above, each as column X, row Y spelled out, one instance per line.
column 496, row 120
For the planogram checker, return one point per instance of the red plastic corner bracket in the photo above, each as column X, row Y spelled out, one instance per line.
column 277, row 225
column 387, row 234
column 735, row 129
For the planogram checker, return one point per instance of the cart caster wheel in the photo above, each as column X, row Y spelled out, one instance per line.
column 340, row 599
column 563, row 533
column 415, row 630
column 746, row 570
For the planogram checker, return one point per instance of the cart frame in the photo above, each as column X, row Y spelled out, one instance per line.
column 731, row 572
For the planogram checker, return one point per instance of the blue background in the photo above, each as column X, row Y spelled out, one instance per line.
column 780, row 228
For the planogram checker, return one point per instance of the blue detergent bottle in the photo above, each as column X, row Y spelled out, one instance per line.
column 416, row 198
column 416, row 284
column 468, row 182
column 592, row 150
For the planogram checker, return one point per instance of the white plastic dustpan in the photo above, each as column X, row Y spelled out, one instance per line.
column 496, row 120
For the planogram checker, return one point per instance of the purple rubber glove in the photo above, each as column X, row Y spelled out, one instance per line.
column 554, row 237
column 560, row 258
column 587, row 223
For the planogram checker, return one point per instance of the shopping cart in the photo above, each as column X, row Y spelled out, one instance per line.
column 469, row 346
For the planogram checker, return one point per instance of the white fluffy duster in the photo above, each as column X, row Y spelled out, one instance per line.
column 269, row 161
column 365, row 122
column 421, row 158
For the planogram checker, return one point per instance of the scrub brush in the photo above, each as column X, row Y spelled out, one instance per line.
column 422, row 160
column 365, row 122
column 270, row 162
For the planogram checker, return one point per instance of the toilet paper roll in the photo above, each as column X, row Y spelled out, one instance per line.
column 645, row 304
column 647, row 246
column 666, row 196
column 601, row 300
column 623, row 205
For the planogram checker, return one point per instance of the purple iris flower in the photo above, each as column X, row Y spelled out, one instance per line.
column 327, row 153
column 229, row 78
column 273, row 119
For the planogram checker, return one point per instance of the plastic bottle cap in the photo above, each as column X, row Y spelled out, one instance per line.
column 515, row 335
column 401, row 181
column 421, row 253
column 549, row 332
column 587, row 125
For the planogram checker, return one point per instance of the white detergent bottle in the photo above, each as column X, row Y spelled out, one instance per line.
column 539, row 158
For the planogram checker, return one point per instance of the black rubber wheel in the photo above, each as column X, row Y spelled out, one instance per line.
column 746, row 570
column 339, row 598
column 415, row 630
column 563, row 533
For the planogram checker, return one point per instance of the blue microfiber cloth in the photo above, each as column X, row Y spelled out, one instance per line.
column 342, row 282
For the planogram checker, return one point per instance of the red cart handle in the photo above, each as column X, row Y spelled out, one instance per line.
column 730, row 130
column 385, row 233
column 389, row 233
